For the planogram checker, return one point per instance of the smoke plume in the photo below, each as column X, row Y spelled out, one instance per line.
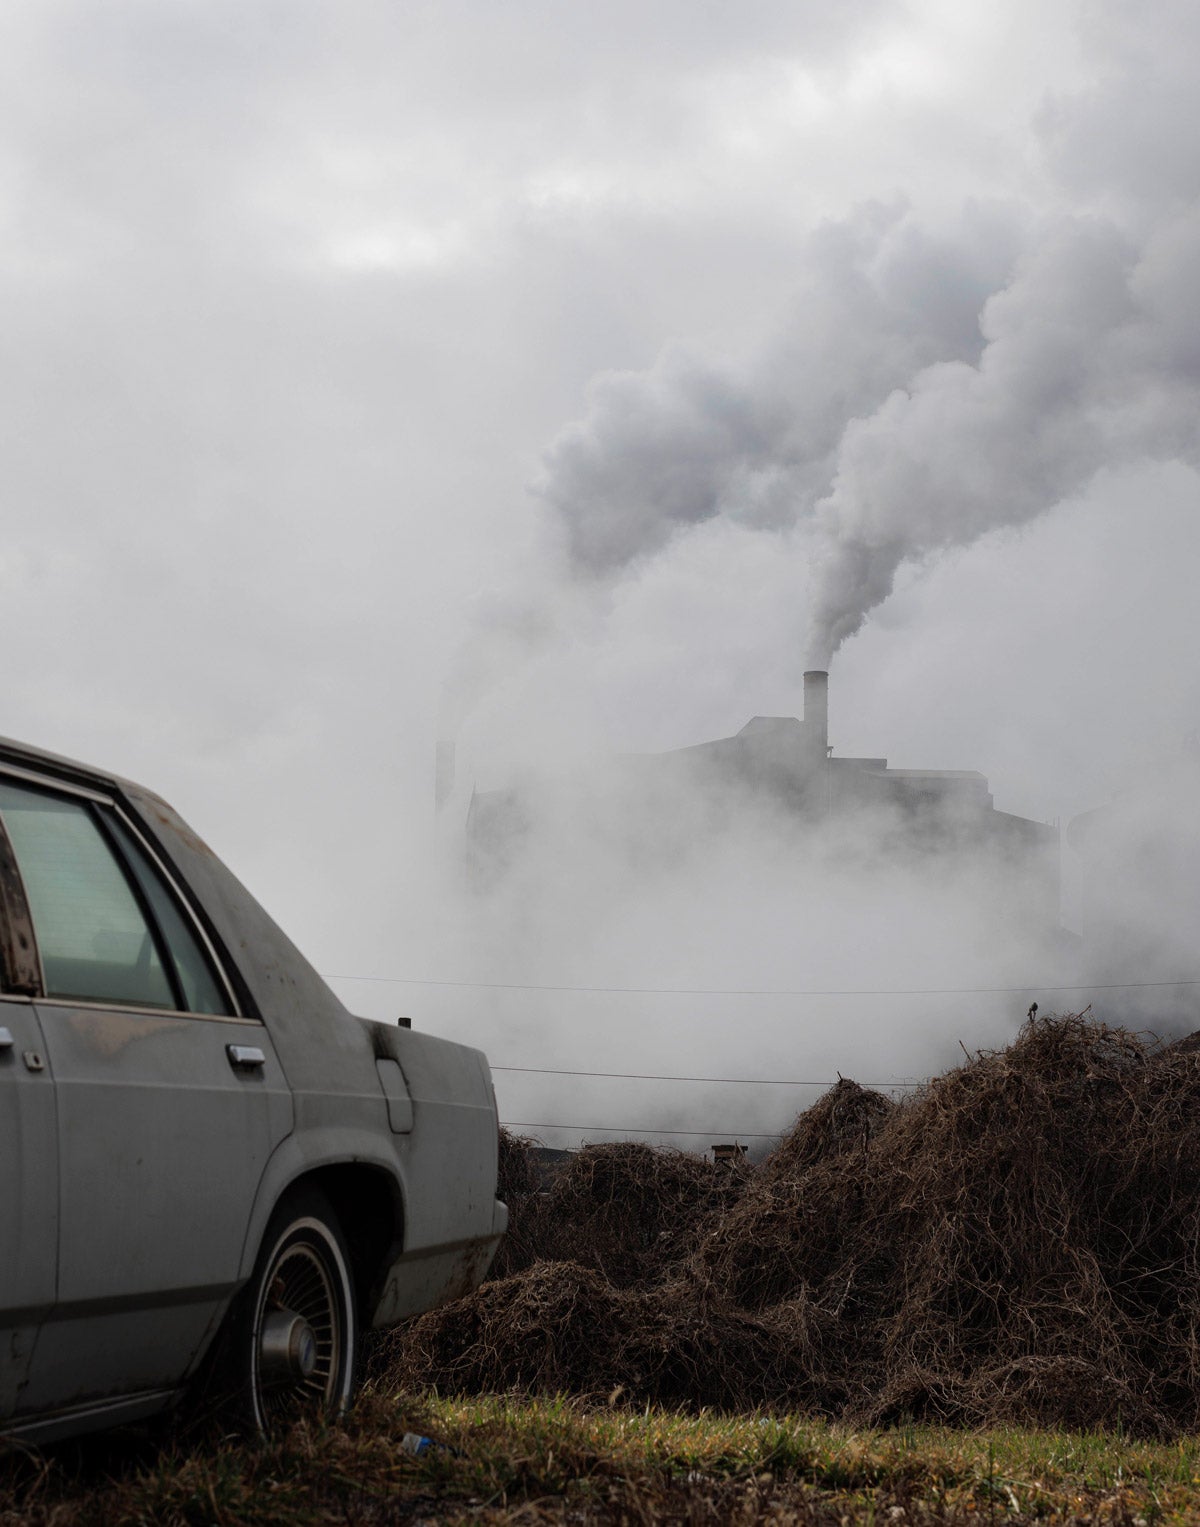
column 926, row 391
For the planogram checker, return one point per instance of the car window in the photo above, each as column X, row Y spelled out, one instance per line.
column 202, row 992
column 98, row 942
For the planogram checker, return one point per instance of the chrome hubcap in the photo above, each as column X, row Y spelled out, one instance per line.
column 300, row 1337
column 288, row 1349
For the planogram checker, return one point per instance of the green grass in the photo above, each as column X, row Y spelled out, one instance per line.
column 509, row 1460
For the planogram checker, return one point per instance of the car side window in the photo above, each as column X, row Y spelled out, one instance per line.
column 201, row 990
column 105, row 933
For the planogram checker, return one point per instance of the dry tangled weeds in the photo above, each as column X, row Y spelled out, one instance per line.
column 626, row 1210
column 1018, row 1242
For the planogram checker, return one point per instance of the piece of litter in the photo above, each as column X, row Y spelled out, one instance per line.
column 416, row 1445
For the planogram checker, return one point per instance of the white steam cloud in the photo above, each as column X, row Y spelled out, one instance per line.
column 925, row 392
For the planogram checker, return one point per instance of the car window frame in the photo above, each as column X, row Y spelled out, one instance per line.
column 14, row 902
column 21, row 976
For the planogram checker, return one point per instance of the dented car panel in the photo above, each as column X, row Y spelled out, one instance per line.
column 196, row 1074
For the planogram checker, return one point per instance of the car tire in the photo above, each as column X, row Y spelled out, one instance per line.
column 293, row 1335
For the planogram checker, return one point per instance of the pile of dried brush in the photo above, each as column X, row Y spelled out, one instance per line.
column 625, row 1210
column 1018, row 1242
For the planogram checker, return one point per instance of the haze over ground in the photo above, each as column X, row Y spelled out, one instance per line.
column 341, row 342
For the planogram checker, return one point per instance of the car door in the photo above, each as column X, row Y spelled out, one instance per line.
column 169, row 1098
column 28, row 1197
column 28, row 1150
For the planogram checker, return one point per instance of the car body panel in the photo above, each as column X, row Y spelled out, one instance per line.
column 329, row 1059
column 454, row 1130
column 313, row 1149
column 162, row 1143
column 421, row 1279
column 321, row 1048
column 71, row 1420
column 449, row 1241
column 28, row 1197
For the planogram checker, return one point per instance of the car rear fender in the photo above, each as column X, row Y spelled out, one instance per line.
column 450, row 1162
column 327, row 1156
column 454, row 1220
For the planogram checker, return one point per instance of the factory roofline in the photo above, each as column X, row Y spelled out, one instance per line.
column 778, row 726
column 931, row 773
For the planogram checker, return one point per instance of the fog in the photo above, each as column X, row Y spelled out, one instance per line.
column 733, row 922
column 563, row 386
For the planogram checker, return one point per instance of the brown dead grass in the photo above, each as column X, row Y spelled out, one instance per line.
column 1018, row 1243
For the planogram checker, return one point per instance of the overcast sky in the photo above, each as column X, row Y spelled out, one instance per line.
column 620, row 357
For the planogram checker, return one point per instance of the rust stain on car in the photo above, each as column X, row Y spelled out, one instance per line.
column 166, row 817
column 108, row 1034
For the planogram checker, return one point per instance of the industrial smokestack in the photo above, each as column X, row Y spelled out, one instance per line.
column 816, row 709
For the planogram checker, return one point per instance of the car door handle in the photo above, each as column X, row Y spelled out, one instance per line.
column 6, row 1039
column 245, row 1057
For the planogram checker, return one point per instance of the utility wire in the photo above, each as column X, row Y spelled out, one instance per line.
column 723, row 991
column 730, row 1081
column 616, row 1129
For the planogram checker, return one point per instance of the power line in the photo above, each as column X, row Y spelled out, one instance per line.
column 730, row 1081
column 615, row 1129
column 723, row 991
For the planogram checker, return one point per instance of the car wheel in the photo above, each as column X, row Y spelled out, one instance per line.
column 295, row 1331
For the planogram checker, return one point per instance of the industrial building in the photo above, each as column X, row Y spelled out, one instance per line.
column 785, row 768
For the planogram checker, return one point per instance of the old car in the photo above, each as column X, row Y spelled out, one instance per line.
column 208, row 1166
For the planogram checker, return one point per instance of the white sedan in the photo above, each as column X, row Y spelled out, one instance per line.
column 209, row 1168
